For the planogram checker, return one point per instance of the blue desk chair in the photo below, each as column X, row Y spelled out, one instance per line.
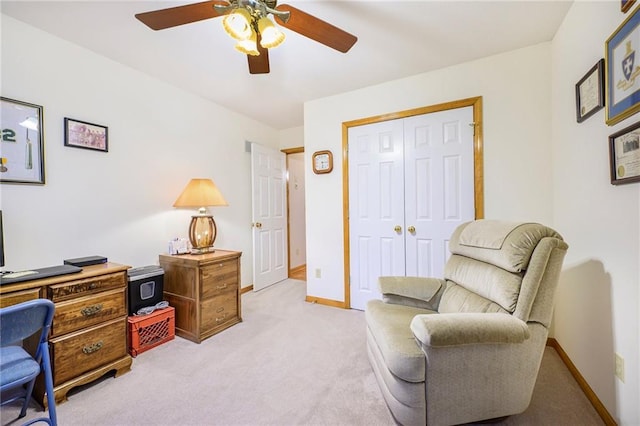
column 17, row 366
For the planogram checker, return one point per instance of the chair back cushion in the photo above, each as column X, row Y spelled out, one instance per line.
column 488, row 270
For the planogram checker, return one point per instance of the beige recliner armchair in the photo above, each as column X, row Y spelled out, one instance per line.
column 467, row 347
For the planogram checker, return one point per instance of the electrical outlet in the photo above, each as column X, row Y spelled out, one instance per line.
column 620, row 367
column 318, row 273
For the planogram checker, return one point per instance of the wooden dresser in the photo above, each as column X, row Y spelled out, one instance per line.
column 204, row 289
column 89, row 332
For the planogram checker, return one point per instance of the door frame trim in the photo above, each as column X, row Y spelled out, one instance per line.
column 478, row 166
column 287, row 151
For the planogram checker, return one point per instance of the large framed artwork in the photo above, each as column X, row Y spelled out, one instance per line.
column 624, row 155
column 22, row 142
column 622, row 70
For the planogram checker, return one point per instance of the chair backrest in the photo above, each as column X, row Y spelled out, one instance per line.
column 17, row 322
column 499, row 266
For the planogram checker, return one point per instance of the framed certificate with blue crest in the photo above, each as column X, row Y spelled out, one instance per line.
column 622, row 70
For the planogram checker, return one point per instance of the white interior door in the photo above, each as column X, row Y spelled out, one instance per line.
column 414, row 175
column 439, row 186
column 268, row 169
column 376, row 207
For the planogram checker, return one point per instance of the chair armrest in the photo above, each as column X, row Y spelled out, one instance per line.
column 440, row 330
column 413, row 287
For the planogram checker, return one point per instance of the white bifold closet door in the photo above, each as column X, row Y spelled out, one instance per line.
column 411, row 183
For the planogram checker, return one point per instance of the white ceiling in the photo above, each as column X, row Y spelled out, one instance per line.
column 396, row 39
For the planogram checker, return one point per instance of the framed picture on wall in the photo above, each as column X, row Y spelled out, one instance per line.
column 625, row 5
column 21, row 142
column 80, row 134
column 590, row 92
column 622, row 70
column 624, row 155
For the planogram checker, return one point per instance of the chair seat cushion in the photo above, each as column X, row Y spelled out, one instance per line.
column 390, row 326
column 17, row 366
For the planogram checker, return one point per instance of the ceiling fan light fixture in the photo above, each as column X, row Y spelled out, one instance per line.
column 270, row 35
column 249, row 46
column 238, row 24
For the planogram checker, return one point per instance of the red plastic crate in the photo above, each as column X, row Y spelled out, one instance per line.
column 148, row 331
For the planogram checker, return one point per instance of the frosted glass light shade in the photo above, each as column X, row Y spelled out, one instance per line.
column 271, row 36
column 238, row 24
column 249, row 46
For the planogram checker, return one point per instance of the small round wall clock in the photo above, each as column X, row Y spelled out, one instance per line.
column 322, row 162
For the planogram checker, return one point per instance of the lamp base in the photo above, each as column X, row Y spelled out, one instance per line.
column 202, row 233
column 202, row 250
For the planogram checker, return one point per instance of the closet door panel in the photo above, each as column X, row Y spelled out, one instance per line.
column 411, row 184
column 376, row 207
column 438, row 186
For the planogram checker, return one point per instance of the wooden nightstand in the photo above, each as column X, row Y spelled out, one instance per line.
column 204, row 289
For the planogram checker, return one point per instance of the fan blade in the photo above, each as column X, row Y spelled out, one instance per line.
column 259, row 64
column 316, row 29
column 180, row 15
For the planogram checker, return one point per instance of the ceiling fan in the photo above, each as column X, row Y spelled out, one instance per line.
column 246, row 21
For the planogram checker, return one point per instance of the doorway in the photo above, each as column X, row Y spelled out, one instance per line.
column 296, row 224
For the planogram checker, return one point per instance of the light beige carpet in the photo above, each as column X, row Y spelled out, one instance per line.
column 289, row 363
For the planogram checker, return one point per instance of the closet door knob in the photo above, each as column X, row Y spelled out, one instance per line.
column 397, row 228
column 412, row 229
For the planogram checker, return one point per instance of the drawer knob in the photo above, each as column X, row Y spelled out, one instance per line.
column 221, row 287
column 91, row 310
column 92, row 348
column 221, row 319
column 219, row 310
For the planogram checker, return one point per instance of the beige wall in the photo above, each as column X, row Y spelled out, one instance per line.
column 597, row 309
column 517, row 145
column 540, row 165
column 119, row 204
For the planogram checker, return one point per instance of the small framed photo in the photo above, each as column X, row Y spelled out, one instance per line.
column 21, row 142
column 622, row 71
column 80, row 134
column 590, row 92
column 624, row 155
column 625, row 5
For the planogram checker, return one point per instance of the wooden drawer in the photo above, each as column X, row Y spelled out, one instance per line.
column 77, row 353
column 87, row 311
column 16, row 297
column 219, row 310
column 179, row 280
column 218, row 277
column 72, row 289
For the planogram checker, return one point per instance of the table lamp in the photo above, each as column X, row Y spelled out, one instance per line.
column 201, row 193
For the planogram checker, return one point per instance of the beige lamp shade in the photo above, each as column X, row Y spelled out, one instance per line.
column 201, row 193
